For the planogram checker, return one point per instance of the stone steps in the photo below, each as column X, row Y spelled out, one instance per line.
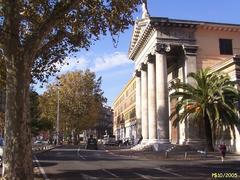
column 152, row 147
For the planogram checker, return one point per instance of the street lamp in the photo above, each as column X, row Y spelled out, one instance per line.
column 57, row 130
column 58, row 112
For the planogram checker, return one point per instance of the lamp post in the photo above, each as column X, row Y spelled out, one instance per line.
column 58, row 110
column 57, row 128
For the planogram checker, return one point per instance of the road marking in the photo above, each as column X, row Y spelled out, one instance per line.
column 41, row 169
column 143, row 176
column 114, row 175
column 78, row 153
column 169, row 172
column 120, row 155
column 85, row 176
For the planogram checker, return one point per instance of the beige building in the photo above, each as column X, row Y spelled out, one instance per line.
column 163, row 49
column 124, row 120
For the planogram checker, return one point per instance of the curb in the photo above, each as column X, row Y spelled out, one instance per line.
column 37, row 150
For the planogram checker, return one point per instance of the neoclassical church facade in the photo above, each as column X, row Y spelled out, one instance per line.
column 163, row 49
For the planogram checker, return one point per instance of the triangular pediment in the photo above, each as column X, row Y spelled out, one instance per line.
column 138, row 30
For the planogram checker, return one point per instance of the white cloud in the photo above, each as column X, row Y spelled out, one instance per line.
column 74, row 64
column 95, row 63
column 110, row 61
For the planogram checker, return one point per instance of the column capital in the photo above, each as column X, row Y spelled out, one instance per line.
column 236, row 59
column 143, row 67
column 150, row 58
column 162, row 48
column 190, row 50
column 137, row 73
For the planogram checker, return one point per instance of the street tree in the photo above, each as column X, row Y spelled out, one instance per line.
column 2, row 73
column 34, row 37
column 38, row 124
column 210, row 101
column 80, row 98
column 2, row 93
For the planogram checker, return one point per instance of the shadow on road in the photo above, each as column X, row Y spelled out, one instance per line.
column 162, row 172
column 46, row 164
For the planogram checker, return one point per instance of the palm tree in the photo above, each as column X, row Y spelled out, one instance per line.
column 211, row 99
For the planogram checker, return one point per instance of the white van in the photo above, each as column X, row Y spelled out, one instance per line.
column 109, row 140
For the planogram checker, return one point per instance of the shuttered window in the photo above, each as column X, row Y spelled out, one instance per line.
column 225, row 46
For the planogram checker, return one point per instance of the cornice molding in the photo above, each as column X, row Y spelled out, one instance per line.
column 227, row 63
column 190, row 50
column 175, row 41
column 144, row 29
column 140, row 40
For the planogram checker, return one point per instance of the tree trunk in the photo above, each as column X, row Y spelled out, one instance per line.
column 17, row 162
column 208, row 132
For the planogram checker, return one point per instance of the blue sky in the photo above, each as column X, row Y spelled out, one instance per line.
column 113, row 64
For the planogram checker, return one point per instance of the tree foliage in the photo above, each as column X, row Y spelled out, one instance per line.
column 49, row 30
column 80, row 99
column 35, row 38
column 38, row 124
column 211, row 100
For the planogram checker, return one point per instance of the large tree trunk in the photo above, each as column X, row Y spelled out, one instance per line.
column 208, row 131
column 18, row 148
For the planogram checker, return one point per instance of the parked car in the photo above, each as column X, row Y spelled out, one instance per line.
column 109, row 140
column 40, row 142
column 92, row 143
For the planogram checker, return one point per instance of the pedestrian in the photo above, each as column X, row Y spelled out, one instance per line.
column 222, row 149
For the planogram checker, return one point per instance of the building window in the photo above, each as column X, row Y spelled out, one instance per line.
column 225, row 46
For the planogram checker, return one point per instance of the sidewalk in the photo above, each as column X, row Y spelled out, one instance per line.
column 188, row 155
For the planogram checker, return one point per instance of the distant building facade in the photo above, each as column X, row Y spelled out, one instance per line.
column 124, row 120
column 105, row 122
column 104, row 125
column 164, row 49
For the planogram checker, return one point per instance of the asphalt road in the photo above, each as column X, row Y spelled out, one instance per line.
column 70, row 162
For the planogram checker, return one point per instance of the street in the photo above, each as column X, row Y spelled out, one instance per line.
column 70, row 162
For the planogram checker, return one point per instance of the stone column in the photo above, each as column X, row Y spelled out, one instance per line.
column 138, row 103
column 194, row 133
column 162, row 95
column 144, row 105
column 151, row 100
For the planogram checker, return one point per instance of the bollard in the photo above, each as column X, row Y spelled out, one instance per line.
column 166, row 154
column 185, row 155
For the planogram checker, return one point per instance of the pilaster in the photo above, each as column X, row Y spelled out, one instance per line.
column 194, row 132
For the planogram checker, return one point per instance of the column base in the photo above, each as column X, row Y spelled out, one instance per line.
column 160, row 144
column 159, row 141
column 144, row 141
column 164, row 141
